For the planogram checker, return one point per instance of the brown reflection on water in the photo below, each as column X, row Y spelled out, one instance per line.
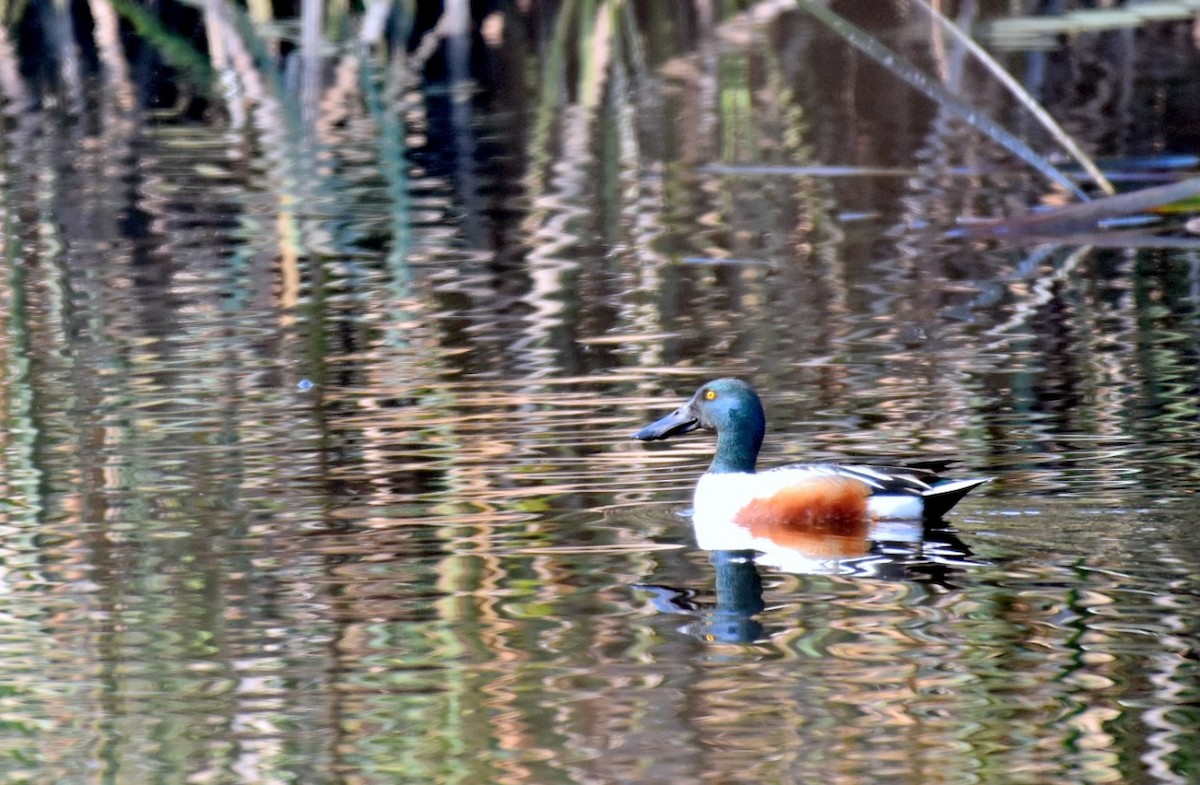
column 873, row 676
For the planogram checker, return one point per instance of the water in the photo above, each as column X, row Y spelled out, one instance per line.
column 316, row 457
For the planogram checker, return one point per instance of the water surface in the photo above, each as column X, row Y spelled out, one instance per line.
column 318, row 386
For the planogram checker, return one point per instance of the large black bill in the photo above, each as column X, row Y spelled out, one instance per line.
column 675, row 423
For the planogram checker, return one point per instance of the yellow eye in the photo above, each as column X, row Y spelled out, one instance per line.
column 710, row 395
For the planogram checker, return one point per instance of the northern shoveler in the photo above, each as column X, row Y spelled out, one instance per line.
column 797, row 499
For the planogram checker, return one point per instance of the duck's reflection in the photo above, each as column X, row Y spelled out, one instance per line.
column 731, row 617
column 881, row 550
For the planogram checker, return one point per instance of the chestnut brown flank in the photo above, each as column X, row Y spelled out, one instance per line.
column 826, row 516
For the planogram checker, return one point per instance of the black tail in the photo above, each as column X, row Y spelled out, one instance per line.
column 943, row 496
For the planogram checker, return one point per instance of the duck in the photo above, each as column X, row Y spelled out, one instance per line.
column 796, row 501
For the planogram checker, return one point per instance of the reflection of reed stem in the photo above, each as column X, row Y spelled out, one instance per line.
column 1022, row 95
column 311, row 41
column 12, row 86
column 935, row 91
